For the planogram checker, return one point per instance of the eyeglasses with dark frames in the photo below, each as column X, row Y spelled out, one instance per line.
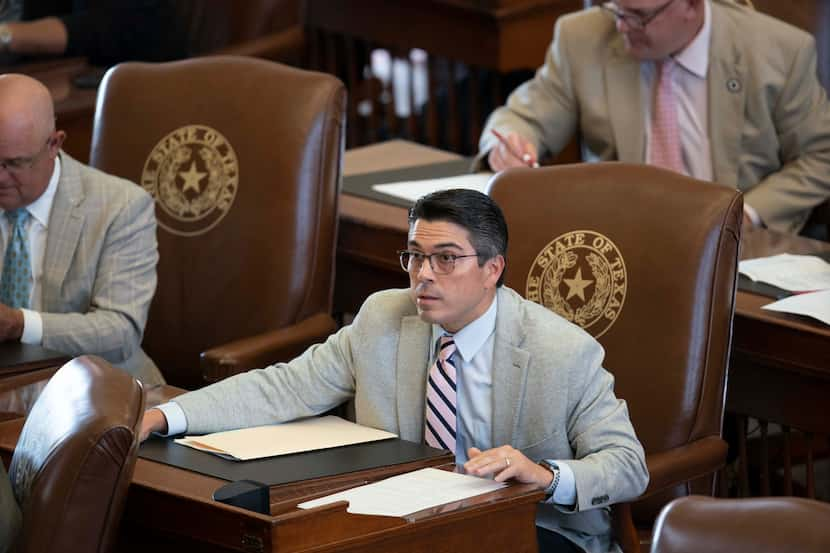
column 636, row 21
column 442, row 263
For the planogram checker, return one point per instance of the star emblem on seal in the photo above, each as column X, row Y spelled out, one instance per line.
column 581, row 276
column 193, row 175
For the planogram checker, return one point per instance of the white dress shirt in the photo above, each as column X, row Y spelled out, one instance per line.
column 36, row 228
column 691, row 94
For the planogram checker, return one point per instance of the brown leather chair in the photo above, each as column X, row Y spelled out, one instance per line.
column 74, row 461
column 243, row 157
column 645, row 260
column 758, row 525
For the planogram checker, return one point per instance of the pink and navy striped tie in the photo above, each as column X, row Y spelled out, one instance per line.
column 441, row 399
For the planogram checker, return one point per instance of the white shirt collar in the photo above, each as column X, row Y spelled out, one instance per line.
column 695, row 57
column 42, row 207
column 470, row 339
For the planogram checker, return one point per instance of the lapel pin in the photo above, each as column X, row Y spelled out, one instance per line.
column 733, row 85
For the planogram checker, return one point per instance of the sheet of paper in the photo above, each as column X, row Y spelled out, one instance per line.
column 281, row 439
column 796, row 273
column 412, row 190
column 813, row 304
column 409, row 493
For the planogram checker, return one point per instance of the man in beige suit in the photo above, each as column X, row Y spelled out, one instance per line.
column 84, row 241
column 750, row 111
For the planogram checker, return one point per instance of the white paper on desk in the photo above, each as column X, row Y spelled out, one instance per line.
column 281, row 439
column 796, row 273
column 412, row 190
column 813, row 304
column 409, row 493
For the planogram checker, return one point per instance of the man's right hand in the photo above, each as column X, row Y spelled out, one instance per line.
column 153, row 421
column 523, row 153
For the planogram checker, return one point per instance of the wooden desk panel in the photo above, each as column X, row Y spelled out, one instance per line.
column 170, row 510
column 24, row 371
column 779, row 373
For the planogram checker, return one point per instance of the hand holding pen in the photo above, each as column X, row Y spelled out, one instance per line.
column 512, row 151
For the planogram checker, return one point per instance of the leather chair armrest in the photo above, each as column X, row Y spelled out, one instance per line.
column 286, row 46
column 681, row 464
column 667, row 469
column 258, row 351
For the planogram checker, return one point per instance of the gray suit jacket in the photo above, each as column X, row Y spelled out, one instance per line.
column 551, row 397
column 769, row 119
column 99, row 269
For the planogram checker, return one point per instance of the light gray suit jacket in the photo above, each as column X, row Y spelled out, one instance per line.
column 99, row 269
column 769, row 119
column 551, row 397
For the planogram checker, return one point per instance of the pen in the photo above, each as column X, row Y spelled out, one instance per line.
column 523, row 158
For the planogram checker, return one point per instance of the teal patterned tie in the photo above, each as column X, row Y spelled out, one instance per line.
column 16, row 282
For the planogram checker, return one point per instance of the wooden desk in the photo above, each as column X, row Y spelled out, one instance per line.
column 24, row 371
column 171, row 510
column 74, row 107
column 779, row 373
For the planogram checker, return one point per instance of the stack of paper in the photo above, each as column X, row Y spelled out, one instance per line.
column 796, row 273
column 409, row 493
column 805, row 275
column 412, row 190
column 281, row 439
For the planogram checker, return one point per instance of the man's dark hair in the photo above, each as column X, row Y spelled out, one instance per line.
column 473, row 211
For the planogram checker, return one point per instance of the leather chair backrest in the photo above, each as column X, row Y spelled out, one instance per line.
column 243, row 157
column 757, row 525
column 74, row 460
column 645, row 260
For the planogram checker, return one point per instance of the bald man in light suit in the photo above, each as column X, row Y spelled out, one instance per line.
column 90, row 237
column 751, row 112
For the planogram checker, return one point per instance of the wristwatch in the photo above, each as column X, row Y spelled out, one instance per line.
column 5, row 37
column 554, row 469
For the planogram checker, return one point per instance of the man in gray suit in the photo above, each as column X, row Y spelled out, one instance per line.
column 466, row 364
column 742, row 89
column 79, row 269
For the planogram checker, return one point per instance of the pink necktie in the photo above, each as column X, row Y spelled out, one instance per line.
column 440, row 419
column 664, row 141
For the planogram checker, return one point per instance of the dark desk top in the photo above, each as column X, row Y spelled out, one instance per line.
column 16, row 358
